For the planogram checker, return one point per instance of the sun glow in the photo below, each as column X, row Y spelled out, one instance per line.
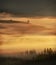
column 17, row 44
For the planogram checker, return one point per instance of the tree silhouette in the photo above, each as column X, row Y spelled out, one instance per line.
column 28, row 22
column 49, row 51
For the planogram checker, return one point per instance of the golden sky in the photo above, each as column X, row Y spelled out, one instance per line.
column 40, row 33
column 27, row 42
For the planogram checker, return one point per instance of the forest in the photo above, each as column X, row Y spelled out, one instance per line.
column 47, row 57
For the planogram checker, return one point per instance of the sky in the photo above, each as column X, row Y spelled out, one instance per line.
column 39, row 33
column 29, row 8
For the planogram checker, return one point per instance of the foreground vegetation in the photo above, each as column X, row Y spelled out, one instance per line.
column 47, row 57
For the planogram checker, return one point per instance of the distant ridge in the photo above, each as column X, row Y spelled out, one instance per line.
column 11, row 21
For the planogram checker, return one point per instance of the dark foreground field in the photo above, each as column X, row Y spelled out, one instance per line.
column 17, row 61
column 35, row 59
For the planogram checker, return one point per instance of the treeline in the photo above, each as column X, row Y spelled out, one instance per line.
column 47, row 57
column 46, row 54
column 13, row 21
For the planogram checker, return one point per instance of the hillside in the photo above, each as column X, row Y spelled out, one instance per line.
column 21, row 27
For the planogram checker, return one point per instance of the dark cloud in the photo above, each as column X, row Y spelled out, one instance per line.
column 29, row 7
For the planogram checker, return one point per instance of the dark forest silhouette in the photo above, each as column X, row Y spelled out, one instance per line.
column 47, row 57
